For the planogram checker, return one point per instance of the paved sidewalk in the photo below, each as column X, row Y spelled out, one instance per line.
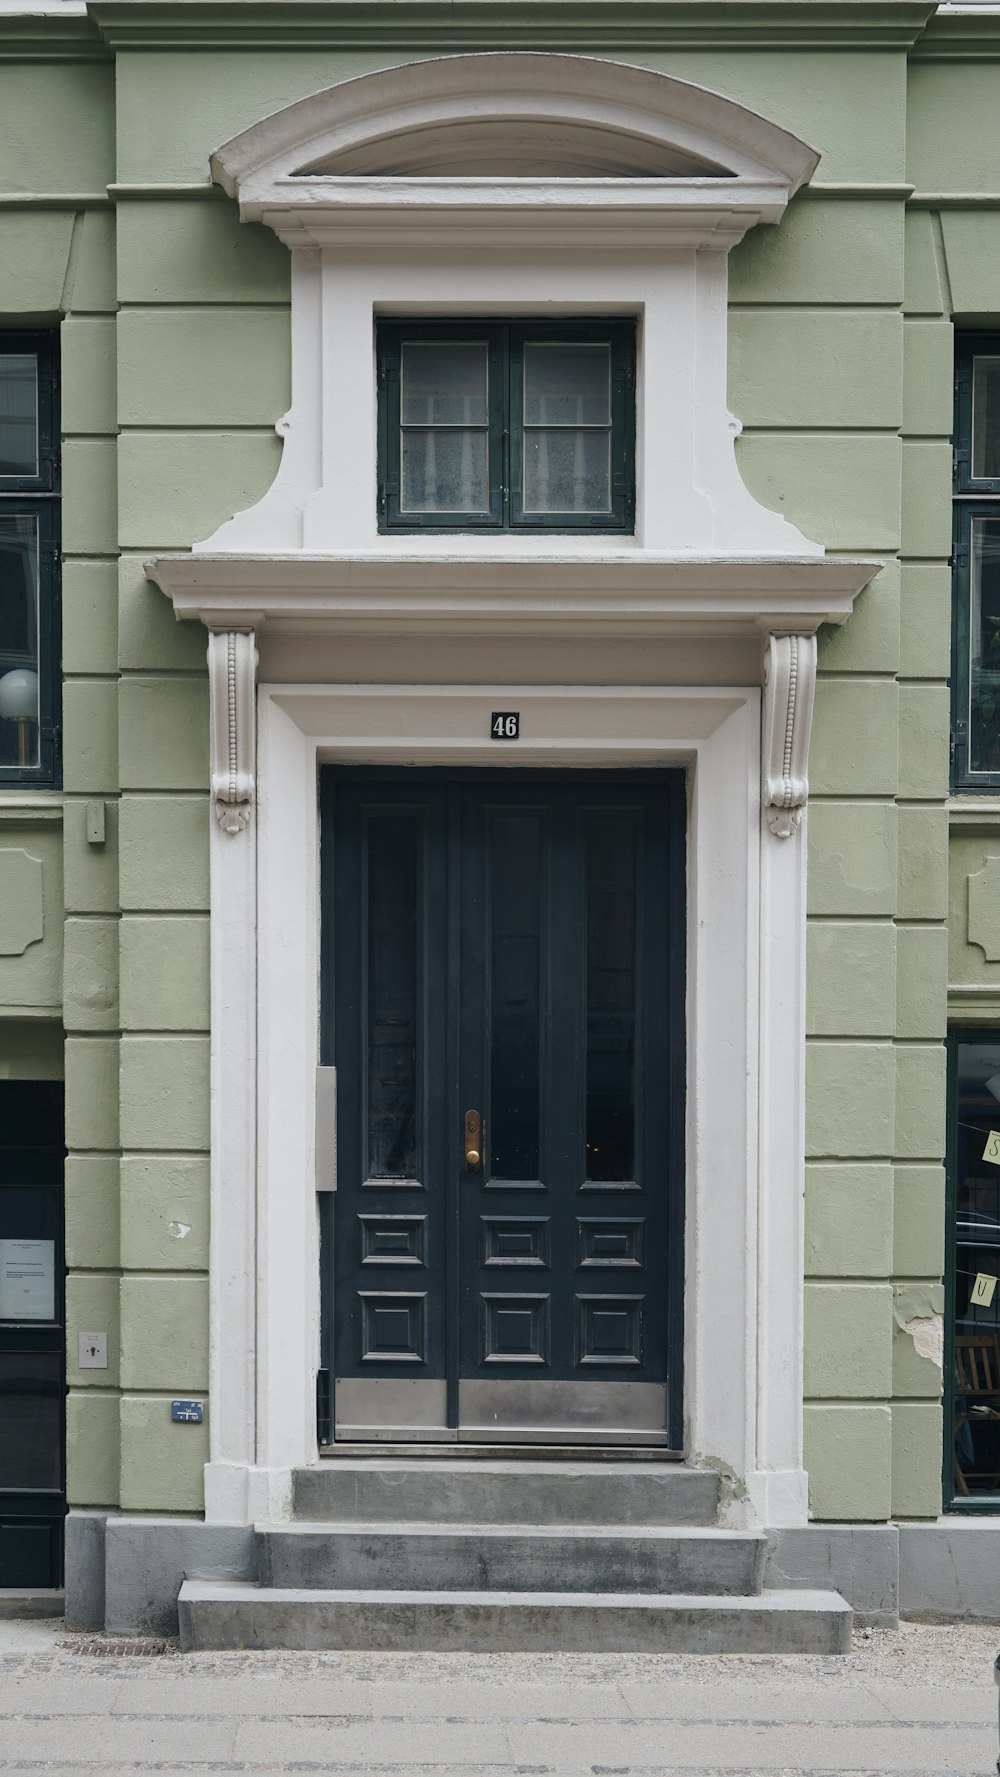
column 920, row 1703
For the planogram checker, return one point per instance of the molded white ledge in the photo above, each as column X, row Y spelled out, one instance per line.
column 627, row 595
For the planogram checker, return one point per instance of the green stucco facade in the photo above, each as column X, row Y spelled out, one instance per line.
column 174, row 327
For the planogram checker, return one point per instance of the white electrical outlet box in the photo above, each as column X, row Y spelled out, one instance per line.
column 93, row 1351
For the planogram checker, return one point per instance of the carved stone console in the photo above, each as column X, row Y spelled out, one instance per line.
column 789, row 676
column 232, row 671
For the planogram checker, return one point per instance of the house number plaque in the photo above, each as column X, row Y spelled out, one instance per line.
column 505, row 725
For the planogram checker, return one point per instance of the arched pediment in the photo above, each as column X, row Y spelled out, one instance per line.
column 520, row 116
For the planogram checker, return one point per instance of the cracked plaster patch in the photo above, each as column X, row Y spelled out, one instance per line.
column 927, row 1333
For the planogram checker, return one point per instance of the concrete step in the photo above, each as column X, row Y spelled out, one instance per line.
column 452, row 1491
column 233, row 1614
column 510, row 1558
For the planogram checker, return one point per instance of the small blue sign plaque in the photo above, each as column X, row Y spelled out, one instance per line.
column 187, row 1412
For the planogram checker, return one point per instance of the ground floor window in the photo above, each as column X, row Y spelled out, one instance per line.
column 972, row 1403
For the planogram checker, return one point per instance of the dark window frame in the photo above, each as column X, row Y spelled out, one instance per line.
column 39, row 496
column 952, row 1501
column 972, row 498
column 506, row 340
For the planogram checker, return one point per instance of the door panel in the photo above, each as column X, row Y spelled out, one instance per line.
column 506, row 974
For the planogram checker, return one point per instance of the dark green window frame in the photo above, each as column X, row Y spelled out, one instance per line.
column 38, row 497
column 960, row 1243
column 975, row 688
column 504, row 510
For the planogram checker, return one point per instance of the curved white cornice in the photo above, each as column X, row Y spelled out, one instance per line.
column 483, row 135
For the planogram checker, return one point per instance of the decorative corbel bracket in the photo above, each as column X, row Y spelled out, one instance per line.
column 232, row 673
column 789, row 691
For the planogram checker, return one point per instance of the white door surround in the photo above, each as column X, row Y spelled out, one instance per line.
column 405, row 192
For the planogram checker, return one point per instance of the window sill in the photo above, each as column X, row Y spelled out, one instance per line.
column 18, row 804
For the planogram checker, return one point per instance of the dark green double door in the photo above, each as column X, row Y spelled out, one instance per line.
column 503, row 1003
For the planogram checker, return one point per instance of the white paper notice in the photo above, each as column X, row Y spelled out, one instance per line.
column 27, row 1280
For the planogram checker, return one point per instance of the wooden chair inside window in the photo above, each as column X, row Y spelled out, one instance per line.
column 977, row 1395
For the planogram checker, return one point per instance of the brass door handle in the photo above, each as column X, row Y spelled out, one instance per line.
column 473, row 1141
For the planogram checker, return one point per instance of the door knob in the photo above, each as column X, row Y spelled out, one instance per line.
column 473, row 1141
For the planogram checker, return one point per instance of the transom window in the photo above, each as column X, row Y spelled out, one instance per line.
column 29, row 523
column 976, row 676
column 495, row 425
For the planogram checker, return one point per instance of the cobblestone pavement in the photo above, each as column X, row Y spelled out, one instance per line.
column 917, row 1703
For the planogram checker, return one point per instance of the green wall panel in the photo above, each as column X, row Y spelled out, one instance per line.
column 90, row 974
column 972, row 251
column 923, row 863
column 92, row 1447
column 75, row 151
column 164, row 1212
column 176, row 488
column 869, row 642
column 164, row 1092
column 165, row 1334
column 841, row 489
column 92, row 1307
column 179, row 250
column 929, row 357
column 921, row 980
column 92, row 1093
column 164, row 853
column 916, row 1459
column 91, row 282
column 925, row 620
column 149, row 635
column 89, row 505
column 848, row 1453
column 849, row 1220
column 918, row 1221
column 87, row 352
column 951, row 144
column 816, row 367
column 853, row 749
column 850, row 1099
column 848, row 1330
column 917, row 1340
column 90, row 719
column 92, row 1193
column 925, row 293
column 179, row 365
column 163, row 739
column 34, row 257
column 920, row 1101
column 852, row 857
column 164, row 970
column 162, row 1464
column 90, row 617
column 90, row 871
column 826, row 250
column 851, row 978
column 926, row 507
column 31, row 910
column 924, row 717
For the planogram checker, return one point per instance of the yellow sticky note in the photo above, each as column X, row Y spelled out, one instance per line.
column 991, row 1152
column 984, row 1289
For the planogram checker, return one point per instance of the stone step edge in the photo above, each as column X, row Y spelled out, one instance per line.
column 204, row 1592
column 467, row 1528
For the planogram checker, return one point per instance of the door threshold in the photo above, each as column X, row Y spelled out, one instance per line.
column 502, row 1452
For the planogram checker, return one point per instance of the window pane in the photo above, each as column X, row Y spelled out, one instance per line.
column 567, row 385
column 30, row 1419
column 393, row 863
column 567, row 471
column 986, row 419
column 976, row 1292
column 18, row 639
column 443, row 383
column 515, row 993
column 610, row 845
column 18, row 415
column 984, row 645
column 444, row 472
